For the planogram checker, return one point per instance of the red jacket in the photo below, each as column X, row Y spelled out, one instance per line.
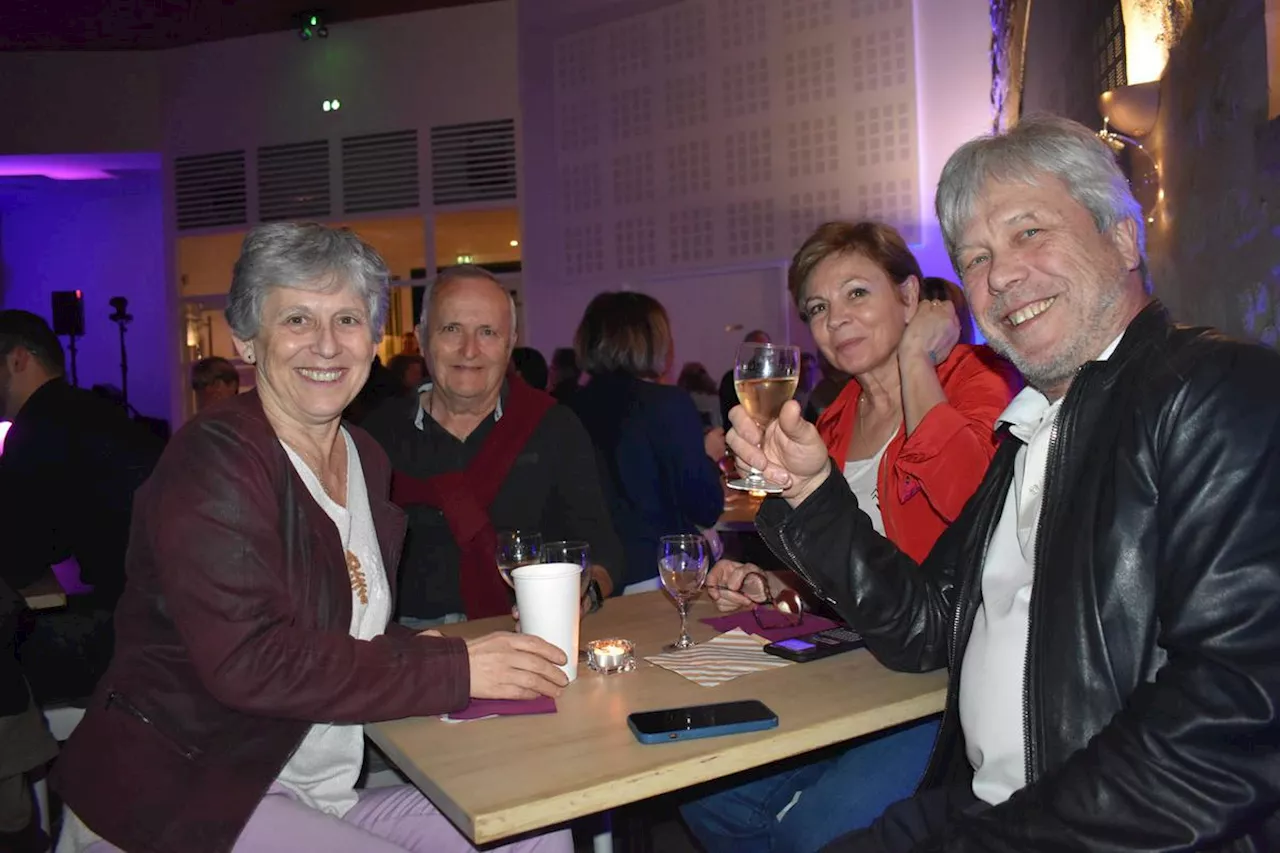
column 232, row 639
column 926, row 478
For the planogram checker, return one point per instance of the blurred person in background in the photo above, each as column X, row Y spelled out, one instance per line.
column 565, row 374
column 810, row 376
column 830, row 384
column 695, row 379
column 408, row 372
column 659, row 461
column 530, row 366
column 71, row 465
column 213, row 379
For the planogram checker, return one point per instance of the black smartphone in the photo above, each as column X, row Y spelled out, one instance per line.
column 698, row 721
column 823, row 644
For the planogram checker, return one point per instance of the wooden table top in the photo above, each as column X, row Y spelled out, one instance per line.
column 44, row 594
column 501, row 777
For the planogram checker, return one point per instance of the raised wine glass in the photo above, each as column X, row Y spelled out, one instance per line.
column 517, row 548
column 765, row 377
column 682, row 565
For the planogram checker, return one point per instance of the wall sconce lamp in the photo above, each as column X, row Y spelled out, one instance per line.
column 1131, row 110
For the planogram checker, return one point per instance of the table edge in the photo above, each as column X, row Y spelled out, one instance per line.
column 487, row 827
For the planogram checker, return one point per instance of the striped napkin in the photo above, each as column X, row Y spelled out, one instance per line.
column 720, row 659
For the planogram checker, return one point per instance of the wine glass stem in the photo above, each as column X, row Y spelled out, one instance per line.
column 685, row 639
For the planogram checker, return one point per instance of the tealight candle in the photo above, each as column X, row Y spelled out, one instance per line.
column 610, row 656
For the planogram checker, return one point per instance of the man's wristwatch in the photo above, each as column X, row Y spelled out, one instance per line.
column 594, row 596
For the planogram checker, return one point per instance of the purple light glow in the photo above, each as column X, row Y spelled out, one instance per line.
column 75, row 167
column 4, row 430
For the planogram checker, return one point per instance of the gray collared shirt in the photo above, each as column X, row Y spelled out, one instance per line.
column 420, row 413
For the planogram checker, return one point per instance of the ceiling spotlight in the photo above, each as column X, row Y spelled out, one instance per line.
column 515, row 243
column 331, row 106
column 312, row 26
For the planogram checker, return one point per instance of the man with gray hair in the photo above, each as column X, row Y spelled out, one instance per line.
column 1108, row 602
column 477, row 451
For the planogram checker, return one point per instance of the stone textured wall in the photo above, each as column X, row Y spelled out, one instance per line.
column 1214, row 244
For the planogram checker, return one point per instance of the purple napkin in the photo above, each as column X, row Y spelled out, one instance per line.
column 743, row 619
column 480, row 708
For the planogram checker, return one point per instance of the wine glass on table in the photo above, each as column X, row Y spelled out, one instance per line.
column 682, row 565
column 517, row 548
column 568, row 551
column 765, row 377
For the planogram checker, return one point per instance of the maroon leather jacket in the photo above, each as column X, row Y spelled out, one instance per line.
column 231, row 640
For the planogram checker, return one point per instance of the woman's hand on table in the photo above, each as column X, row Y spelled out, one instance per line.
column 515, row 666
column 790, row 452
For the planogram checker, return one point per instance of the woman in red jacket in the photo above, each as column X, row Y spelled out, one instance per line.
column 913, row 432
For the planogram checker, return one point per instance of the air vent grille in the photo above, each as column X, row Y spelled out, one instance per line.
column 209, row 190
column 293, row 181
column 380, row 172
column 473, row 162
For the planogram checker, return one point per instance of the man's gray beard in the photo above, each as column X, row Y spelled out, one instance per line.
column 1040, row 376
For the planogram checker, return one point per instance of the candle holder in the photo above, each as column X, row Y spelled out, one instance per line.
column 611, row 656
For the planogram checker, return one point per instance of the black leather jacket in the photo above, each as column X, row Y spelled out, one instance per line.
column 1152, row 681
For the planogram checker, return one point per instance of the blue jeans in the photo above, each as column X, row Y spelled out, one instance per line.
column 801, row 809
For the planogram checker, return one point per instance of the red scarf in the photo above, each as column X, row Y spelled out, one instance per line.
column 465, row 497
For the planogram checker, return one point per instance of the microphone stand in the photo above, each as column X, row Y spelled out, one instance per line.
column 71, row 349
column 122, row 319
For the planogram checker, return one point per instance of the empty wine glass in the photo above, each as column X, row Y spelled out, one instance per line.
column 682, row 566
column 517, row 548
column 765, row 377
column 570, row 552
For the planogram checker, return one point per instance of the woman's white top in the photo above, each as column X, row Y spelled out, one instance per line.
column 862, row 475
column 323, row 770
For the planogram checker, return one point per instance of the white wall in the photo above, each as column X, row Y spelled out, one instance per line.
column 953, row 87
column 891, row 87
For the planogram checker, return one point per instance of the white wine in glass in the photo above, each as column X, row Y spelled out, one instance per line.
column 765, row 377
column 682, row 565
column 517, row 548
column 763, row 398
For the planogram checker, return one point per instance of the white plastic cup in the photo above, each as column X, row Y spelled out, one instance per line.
column 547, row 595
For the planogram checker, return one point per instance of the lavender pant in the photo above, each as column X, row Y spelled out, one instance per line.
column 385, row 820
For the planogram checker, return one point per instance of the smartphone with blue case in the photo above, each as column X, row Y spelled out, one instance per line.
column 699, row 721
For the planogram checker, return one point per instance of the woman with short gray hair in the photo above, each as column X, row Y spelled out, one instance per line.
column 253, row 636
